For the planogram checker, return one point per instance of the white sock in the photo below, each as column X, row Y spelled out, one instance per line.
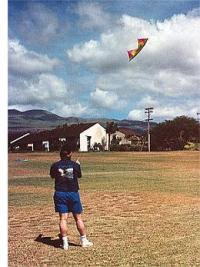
column 83, row 237
column 65, row 240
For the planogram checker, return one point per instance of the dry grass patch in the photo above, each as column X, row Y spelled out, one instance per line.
column 140, row 209
column 147, row 229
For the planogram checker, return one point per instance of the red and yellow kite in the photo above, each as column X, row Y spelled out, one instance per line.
column 141, row 44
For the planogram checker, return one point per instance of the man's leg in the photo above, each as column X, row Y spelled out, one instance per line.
column 79, row 224
column 82, row 231
column 63, row 229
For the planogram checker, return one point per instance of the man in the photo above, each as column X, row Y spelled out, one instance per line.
column 66, row 197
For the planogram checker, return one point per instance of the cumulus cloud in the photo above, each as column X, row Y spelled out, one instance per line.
column 166, row 70
column 71, row 109
column 39, row 24
column 164, row 109
column 42, row 89
column 169, row 64
column 92, row 15
column 147, row 101
column 32, row 83
column 46, row 91
column 26, row 62
column 167, row 112
column 136, row 114
column 105, row 99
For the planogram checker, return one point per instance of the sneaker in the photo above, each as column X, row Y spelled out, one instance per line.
column 86, row 243
column 65, row 246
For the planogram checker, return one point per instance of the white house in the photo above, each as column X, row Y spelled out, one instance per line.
column 125, row 136
column 94, row 134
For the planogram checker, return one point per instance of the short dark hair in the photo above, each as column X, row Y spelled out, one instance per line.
column 65, row 151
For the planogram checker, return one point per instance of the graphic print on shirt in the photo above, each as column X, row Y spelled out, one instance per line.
column 66, row 173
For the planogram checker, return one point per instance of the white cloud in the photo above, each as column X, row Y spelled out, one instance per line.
column 32, row 84
column 168, row 112
column 78, row 53
column 163, row 110
column 42, row 89
column 166, row 69
column 73, row 109
column 169, row 64
column 105, row 99
column 147, row 101
column 25, row 62
column 166, row 72
column 92, row 15
column 45, row 91
column 136, row 114
column 39, row 24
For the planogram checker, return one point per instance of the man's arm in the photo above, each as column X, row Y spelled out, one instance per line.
column 78, row 170
column 52, row 171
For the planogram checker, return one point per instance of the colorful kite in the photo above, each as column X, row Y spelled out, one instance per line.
column 141, row 44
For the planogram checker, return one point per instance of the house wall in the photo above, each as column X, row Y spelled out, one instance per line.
column 98, row 135
column 123, row 141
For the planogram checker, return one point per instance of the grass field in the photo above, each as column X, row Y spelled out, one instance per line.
column 140, row 209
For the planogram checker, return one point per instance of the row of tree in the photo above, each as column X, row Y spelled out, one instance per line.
column 175, row 134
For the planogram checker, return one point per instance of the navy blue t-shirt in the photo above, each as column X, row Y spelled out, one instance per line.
column 66, row 174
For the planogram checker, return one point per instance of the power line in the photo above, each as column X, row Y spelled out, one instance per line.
column 148, row 111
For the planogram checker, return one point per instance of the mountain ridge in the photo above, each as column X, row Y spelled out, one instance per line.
column 39, row 119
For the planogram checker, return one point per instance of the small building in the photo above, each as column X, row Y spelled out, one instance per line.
column 84, row 135
column 125, row 136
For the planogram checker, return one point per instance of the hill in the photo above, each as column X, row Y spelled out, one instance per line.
column 38, row 119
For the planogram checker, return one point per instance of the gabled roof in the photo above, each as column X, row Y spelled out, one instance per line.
column 73, row 130
column 127, row 131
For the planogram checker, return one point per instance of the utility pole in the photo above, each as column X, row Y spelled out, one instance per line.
column 198, row 117
column 198, row 120
column 148, row 111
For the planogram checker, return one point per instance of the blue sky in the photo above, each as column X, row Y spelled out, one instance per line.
column 70, row 57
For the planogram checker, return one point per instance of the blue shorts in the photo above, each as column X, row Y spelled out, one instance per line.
column 67, row 202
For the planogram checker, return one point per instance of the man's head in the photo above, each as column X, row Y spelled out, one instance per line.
column 66, row 151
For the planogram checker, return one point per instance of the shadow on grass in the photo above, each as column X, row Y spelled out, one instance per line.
column 57, row 243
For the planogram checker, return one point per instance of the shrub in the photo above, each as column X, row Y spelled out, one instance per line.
column 192, row 146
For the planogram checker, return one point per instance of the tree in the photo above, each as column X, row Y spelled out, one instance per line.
column 111, row 127
column 174, row 134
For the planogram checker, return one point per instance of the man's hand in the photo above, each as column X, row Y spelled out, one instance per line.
column 78, row 162
column 61, row 171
